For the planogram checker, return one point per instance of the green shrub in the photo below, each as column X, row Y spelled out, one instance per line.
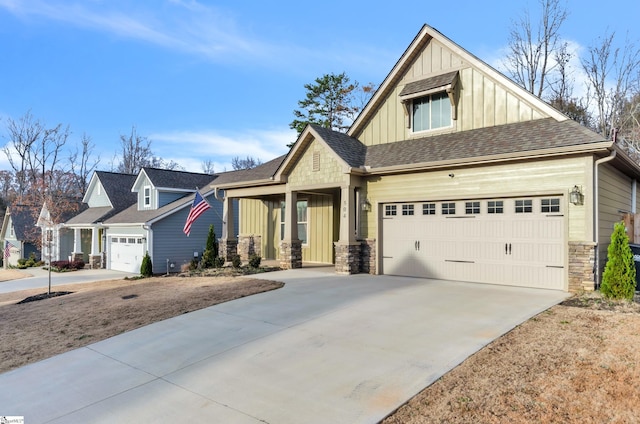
column 619, row 278
column 211, row 250
column 193, row 265
column 22, row 262
column 236, row 261
column 218, row 262
column 254, row 261
column 146, row 268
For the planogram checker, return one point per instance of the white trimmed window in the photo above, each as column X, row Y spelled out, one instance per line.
column 147, row 197
column 431, row 112
column 302, row 220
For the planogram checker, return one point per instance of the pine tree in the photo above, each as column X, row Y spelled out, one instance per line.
column 619, row 278
column 146, row 268
column 211, row 250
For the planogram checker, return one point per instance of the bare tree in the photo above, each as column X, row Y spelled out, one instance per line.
column 247, row 163
column 612, row 76
column 23, row 135
column 533, row 45
column 82, row 164
column 207, row 166
column 135, row 153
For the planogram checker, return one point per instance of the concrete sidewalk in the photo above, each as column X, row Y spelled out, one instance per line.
column 323, row 349
column 40, row 278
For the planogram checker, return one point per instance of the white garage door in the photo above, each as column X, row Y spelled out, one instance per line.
column 126, row 253
column 518, row 242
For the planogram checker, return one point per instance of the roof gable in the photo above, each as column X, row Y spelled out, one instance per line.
column 481, row 97
column 169, row 180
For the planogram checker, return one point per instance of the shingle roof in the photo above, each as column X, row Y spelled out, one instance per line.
column 260, row 172
column 428, row 83
column 350, row 149
column 132, row 215
column 24, row 222
column 91, row 216
column 503, row 139
column 118, row 188
column 166, row 178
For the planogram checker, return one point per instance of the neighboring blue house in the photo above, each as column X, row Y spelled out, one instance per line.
column 130, row 215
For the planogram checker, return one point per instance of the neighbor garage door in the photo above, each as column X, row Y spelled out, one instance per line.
column 126, row 253
column 514, row 241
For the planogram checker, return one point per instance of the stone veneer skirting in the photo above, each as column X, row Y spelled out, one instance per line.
column 348, row 258
column 581, row 266
column 227, row 248
column 95, row 261
column 249, row 246
column 291, row 254
column 368, row 254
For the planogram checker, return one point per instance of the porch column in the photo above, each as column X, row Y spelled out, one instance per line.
column 95, row 258
column 77, row 254
column 290, row 246
column 228, row 243
column 347, row 248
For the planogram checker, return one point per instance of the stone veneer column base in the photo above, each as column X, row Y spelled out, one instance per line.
column 95, row 261
column 347, row 258
column 227, row 248
column 290, row 254
column 368, row 251
column 77, row 256
column 249, row 246
column 581, row 265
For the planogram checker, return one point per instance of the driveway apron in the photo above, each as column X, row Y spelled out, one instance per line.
column 324, row 348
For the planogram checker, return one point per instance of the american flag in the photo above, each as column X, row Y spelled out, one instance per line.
column 7, row 249
column 198, row 207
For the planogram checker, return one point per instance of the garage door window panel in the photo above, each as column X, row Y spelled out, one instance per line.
column 407, row 210
column 550, row 205
column 472, row 208
column 448, row 209
column 390, row 210
column 495, row 207
column 524, row 206
column 428, row 209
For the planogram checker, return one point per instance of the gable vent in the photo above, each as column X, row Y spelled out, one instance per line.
column 316, row 161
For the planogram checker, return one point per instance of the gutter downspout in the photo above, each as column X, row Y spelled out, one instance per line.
column 596, row 221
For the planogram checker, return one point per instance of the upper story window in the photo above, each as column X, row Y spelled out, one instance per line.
column 147, row 197
column 431, row 103
column 431, row 112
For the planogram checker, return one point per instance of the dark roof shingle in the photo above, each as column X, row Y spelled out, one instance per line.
column 165, row 178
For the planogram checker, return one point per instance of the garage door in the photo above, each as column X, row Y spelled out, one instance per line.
column 516, row 242
column 126, row 253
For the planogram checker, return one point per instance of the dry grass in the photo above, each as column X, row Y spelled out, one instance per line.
column 567, row 365
column 95, row 311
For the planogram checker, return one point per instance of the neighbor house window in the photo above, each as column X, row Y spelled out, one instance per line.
column 147, row 197
column 550, row 205
column 302, row 220
column 431, row 112
column 407, row 210
column 495, row 206
column 428, row 209
column 524, row 206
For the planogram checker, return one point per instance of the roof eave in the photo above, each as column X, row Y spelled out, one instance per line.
column 481, row 160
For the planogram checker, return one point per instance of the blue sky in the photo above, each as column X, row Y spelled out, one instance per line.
column 218, row 79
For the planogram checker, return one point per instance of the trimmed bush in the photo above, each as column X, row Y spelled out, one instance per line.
column 619, row 278
column 66, row 265
column 236, row 261
column 146, row 268
column 254, row 261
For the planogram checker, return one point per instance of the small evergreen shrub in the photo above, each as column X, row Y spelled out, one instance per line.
column 619, row 277
column 218, row 262
column 193, row 265
column 146, row 268
column 211, row 250
column 22, row 262
column 236, row 262
column 254, row 261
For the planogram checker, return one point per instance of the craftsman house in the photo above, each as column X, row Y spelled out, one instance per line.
column 19, row 234
column 452, row 171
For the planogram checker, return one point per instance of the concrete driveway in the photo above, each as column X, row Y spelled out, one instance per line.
column 323, row 349
column 40, row 278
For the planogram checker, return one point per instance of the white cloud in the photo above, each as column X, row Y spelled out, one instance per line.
column 191, row 148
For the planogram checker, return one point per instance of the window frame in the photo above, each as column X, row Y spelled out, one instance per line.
column 472, row 207
column 146, row 196
column 390, row 210
column 553, row 205
column 525, row 207
column 428, row 209
column 408, row 209
column 305, row 241
column 427, row 101
column 495, row 207
column 448, row 208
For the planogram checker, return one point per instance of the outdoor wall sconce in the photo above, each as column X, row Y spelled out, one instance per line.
column 575, row 195
column 366, row 205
